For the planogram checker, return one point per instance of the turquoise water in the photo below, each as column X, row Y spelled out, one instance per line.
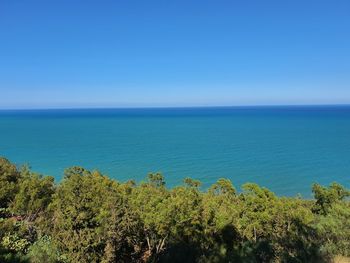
column 283, row 148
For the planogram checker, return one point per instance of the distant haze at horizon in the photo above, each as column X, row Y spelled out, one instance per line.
column 173, row 107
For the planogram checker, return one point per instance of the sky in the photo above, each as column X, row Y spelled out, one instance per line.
column 82, row 54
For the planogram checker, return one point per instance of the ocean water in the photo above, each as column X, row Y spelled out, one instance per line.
column 283, row 148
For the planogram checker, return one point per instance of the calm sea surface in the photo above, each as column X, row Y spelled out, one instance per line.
column 283, row 148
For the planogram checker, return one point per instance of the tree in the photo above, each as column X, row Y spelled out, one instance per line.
column 151, row 203
column 80, row 211
column 9, row 176
column 334, row 229
column 326, row 197
column 33, row 196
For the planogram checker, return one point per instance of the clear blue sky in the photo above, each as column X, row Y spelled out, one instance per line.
column 173, row 53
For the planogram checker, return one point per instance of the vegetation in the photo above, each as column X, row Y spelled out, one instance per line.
column 88, row 217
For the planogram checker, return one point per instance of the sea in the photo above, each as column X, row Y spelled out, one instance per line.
column 283, row 148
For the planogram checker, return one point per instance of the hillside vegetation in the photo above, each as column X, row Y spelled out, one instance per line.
column 88, row 217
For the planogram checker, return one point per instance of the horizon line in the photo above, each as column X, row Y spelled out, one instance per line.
column 178, row 107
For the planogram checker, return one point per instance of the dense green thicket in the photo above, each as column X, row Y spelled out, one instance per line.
column 88, row 217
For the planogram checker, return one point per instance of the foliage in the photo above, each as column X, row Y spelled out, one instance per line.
column 14, row 243
column 326, row 197
column 33, row 196
column 43, row 250
column 88, row 217
column 9, row 176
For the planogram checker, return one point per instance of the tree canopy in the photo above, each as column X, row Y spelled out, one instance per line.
column 88, row 217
